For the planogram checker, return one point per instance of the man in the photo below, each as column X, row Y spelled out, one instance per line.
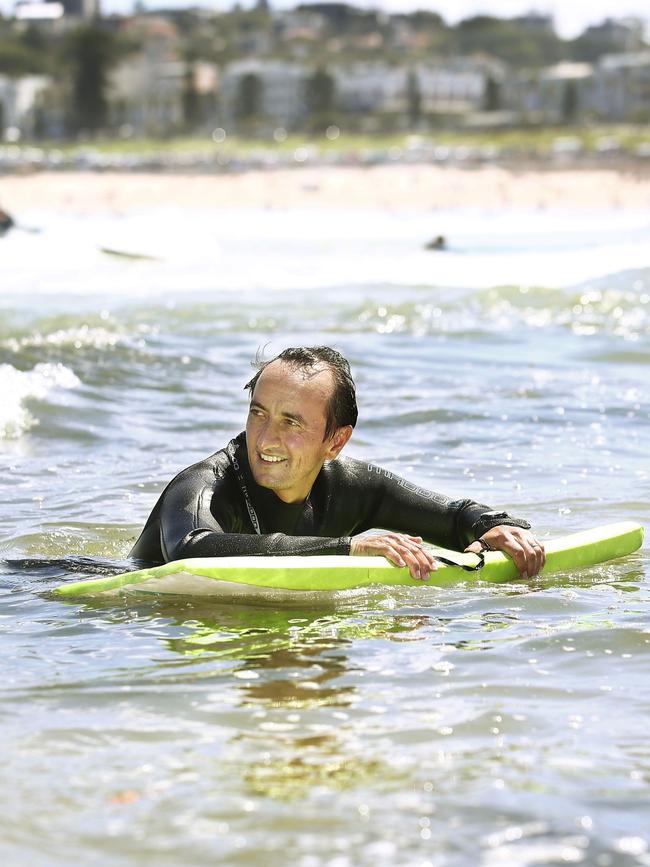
column 6, row 222
column 281, row 487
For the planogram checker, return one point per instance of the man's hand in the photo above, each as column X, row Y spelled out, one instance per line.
column 400, row 549
column 526, row 551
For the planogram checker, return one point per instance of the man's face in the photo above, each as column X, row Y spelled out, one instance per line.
column 285, row 429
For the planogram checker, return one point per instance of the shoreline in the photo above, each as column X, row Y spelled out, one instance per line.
column 385, row 187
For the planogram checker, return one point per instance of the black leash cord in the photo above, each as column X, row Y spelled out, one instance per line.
column 479, row 565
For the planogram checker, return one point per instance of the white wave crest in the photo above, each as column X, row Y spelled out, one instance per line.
column 19, row 386
column 79, row 338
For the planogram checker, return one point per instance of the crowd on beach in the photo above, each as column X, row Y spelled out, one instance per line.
column 422, row 187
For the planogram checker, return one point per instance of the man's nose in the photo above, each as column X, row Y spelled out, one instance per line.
column 269, row 434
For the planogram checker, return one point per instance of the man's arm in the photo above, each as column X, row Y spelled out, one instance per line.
column 216, row 543
column 411, row 513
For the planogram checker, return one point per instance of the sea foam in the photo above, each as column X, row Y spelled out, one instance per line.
column 18, row 387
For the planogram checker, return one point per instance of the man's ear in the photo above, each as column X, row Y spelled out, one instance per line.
column 339, row 438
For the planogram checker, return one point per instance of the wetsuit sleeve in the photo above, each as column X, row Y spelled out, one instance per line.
column 396, row 504
column 189, row 529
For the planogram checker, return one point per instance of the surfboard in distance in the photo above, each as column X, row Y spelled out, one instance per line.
column 127, row 254
column 220, row 576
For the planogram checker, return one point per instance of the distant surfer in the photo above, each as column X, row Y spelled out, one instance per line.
column 281, row 487
column 6, row 222
column 437, row 243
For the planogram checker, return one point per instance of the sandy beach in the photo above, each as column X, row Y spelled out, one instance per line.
column 397, row 187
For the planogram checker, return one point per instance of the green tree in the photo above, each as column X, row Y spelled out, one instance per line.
column 34, row 39
column 320, row 100
column 250, row 91
column 92, row 50
column 425, row 19
column 508, row 40
column 17, row 59
column 39, row 128
column 593, row 43
column 413, row 99
column 320, row 92
column 491, row 94
column 191, row 98
column 569, row 101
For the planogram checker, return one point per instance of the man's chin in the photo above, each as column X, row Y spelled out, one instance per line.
column 267, row 477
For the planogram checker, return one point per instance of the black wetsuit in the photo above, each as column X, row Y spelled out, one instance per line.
column 6, row 222
column 203, row 512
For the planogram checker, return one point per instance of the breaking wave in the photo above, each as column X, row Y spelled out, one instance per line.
column 20, row 387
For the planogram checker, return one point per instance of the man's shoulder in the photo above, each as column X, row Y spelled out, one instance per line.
column 346, row 469
column 346, row 463
column 376, row 478
column 215, row 465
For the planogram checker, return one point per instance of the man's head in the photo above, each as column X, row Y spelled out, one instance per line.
column 310, row 360
column 302, row 412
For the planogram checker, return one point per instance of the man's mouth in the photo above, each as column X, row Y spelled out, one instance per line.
column 270, row 459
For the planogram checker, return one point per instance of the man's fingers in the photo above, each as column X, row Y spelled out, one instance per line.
column 539, row 555
column 401, row 549
column 533, row 554
column 394, row 556
column 425, row 561
column 516, row 554
column 418, row 566
column 525, row 550
column 528, row 559
column 404, row 557
column 532, row 560
column 419, row 561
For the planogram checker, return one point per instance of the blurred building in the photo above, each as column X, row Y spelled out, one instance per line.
column 615, row 89
column 279, row 85
column 149, row 90
column 23, row 112
column 292, row 24
column 86, row 9
column 452, row 87
column 35, row 11
column 369, row 87
column 551, row 95
column 456, row 87
column 146, row 97
column 621, row 88
column 361, row 89
column 52, row 10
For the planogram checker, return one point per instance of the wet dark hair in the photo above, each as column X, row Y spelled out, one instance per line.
column 342, row 407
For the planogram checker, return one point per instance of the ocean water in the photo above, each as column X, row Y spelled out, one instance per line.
column 473, row 725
